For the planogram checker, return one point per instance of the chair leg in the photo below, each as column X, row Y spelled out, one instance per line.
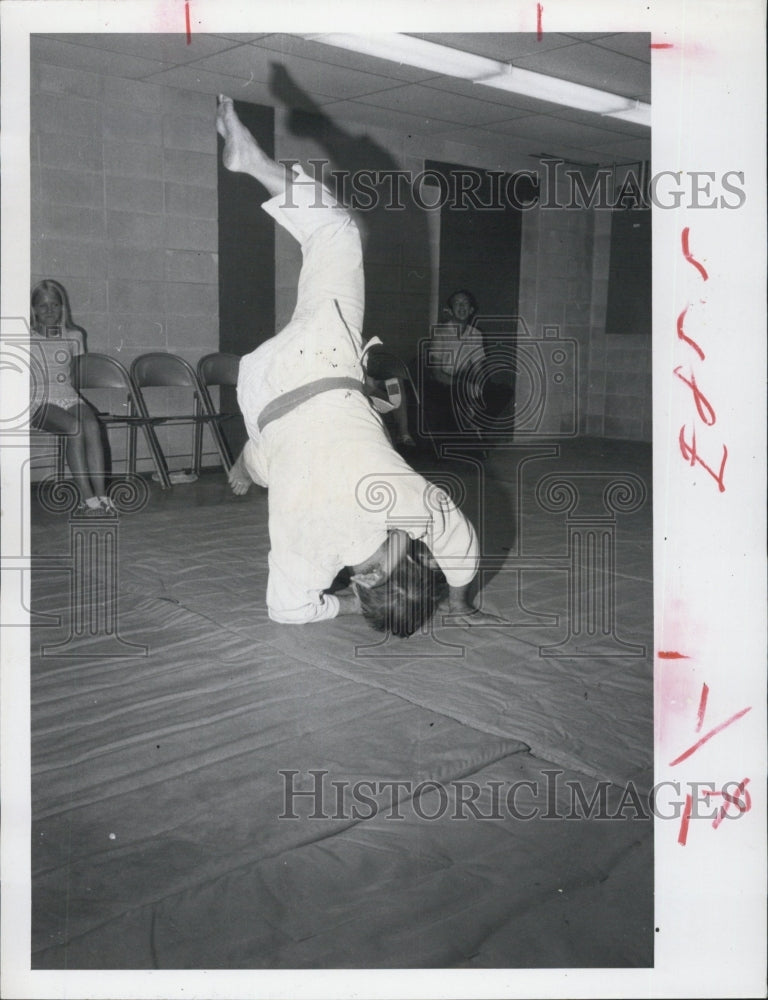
column 205, row 410
column 221, row 444
column 132, row 449
column 158, row 457
column 197, row 454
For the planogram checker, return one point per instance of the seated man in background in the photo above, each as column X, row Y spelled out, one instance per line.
column 339, row 495
column 456, row 357
column 465, row 389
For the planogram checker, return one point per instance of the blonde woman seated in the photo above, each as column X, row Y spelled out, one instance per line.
column 55, row 341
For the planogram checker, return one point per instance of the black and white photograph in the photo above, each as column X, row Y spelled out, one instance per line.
column 383, row 486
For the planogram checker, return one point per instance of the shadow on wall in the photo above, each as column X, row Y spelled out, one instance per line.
column 394, row 231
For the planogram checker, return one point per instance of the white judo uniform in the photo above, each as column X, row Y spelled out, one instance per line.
column 336, row 485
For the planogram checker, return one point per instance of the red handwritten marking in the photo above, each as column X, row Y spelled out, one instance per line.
column 682, row 336
column 671, row 654
column 189, row 25
column 661, row 45
column 733, row 800
column 689, row 452
column 689, row 256
column 703, row 406
column 705, row 739
column 539, row 25
column 682, row 835
column 702, row 707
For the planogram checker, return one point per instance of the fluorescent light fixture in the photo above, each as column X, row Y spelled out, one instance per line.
column 446, row 61
column 550, row 88
column 413, row 52
column 638, row 113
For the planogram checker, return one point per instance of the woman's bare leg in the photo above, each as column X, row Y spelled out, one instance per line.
column 56, row 420
column 94, row 450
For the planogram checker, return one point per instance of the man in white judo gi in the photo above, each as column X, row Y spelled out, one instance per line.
column 340, row 496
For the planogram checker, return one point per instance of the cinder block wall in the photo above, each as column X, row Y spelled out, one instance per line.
column 124, row 214
column 564, row 282
column 618, row 401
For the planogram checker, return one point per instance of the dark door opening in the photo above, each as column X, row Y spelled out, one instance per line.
column 480, row 237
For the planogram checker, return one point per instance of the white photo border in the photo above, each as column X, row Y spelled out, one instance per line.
column 709, row 543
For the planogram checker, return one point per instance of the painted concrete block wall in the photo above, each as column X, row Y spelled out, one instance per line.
column 555, row 280
column 618, row 392
column 564, row 283
column 124, row 214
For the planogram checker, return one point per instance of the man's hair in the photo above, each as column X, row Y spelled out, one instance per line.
column 408, row 597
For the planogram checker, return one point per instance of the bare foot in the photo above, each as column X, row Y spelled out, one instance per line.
column 242, row 154
column 239, row 479
column 240, row 148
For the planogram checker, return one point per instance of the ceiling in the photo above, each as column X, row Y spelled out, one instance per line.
column 369, row 92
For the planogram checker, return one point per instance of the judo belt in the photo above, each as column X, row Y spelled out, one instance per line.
column 288, row 401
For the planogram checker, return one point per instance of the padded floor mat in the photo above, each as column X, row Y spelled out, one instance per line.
column 162, row 782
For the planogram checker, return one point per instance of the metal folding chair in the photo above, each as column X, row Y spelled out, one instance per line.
column 163, row 370
column 218, row 369
column 58, row 456
column 100, row 371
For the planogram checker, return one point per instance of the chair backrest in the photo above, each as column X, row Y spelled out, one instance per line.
column 100, row 371
column 218, row 368
column 160, row 368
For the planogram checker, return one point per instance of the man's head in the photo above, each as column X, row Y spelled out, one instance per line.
column 462, row 305
column 399, row 586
